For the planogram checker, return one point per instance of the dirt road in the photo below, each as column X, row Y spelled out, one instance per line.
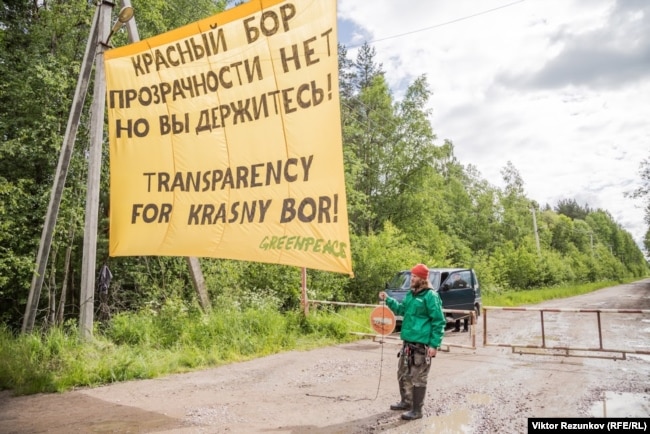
column 348, row 388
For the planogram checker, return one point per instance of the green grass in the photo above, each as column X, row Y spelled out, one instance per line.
column 534, row 296
column 177, row 339
column 174, row 340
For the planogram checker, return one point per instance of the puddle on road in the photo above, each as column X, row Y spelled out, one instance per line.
column 479, row 398
column 456, row 422
column 622, row 404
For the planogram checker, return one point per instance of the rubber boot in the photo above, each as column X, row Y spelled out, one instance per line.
column 404, row 404
column 418, row 400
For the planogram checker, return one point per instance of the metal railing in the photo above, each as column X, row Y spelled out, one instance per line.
column 382, row 338
column 602, row 350
column 564, row 350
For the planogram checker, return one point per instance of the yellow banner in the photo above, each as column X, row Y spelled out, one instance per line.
column 225, row 139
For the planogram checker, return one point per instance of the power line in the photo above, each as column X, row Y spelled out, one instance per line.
column 443, row 24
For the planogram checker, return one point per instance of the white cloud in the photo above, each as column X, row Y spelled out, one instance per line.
column 559, row 87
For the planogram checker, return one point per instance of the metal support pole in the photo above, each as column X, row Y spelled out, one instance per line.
column 485, row 331
column 303, row 281
column 541, row 317
column 87, row 296
column 600, row 332
column 59, row 178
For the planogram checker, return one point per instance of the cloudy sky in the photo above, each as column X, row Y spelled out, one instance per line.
column 561, row 88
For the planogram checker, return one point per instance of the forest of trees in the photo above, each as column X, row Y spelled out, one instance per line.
column 409, row 198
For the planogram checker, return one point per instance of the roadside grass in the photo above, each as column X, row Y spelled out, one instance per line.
column 148, row 345
column 178, row 339
column 512, row 298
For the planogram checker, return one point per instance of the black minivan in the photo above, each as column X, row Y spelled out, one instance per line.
column 458, row 289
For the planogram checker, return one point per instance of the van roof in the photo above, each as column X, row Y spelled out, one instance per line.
column 441, row 270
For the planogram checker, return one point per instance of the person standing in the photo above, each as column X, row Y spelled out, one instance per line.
column 423, row 326
column 458, row 282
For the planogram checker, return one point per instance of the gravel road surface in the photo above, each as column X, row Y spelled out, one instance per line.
column 348, row 388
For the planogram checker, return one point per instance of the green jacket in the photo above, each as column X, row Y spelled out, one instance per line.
column 423, row 320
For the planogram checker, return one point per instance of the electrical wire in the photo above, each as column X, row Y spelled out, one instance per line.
column 442, row 24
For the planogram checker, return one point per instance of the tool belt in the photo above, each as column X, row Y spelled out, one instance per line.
column 410, row 349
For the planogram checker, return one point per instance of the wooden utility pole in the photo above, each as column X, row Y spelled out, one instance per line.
column 87, row 288
column 95, row 47
column 59, row 178
column 539, row 251
column 87, row 298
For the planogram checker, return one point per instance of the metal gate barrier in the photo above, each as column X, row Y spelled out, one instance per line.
column 470, row 314
column 602, row 351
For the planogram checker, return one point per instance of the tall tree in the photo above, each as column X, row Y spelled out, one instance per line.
column 40, row 53
column 516, row 207
column 410, row 153
column 366, row 131
column 485, row 203
column 41, row 50
column 572, row 209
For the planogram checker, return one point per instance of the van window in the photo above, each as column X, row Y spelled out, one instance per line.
column 462, row 279
column 400, row 281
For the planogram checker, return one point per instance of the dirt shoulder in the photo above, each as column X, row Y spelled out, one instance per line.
column 348, row 388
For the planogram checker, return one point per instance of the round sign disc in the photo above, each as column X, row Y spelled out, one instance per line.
column 382, row 320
